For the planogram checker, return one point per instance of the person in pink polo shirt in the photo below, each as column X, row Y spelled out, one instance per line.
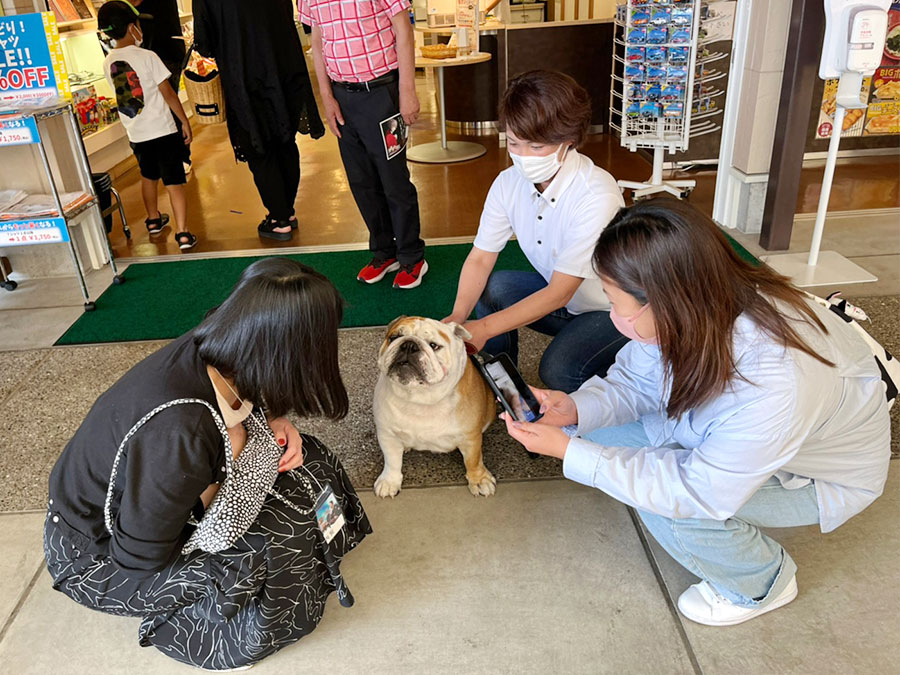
column 365, row 64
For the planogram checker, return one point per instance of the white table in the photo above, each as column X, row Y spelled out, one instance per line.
column 444, row 151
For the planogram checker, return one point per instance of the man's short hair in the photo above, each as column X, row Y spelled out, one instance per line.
column 546, row 107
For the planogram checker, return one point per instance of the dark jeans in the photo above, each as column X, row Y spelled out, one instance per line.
column 584, row 345
column 277, row 177
column 383, row 191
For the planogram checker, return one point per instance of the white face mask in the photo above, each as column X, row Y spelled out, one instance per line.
column 539, row 169
column 138, row 40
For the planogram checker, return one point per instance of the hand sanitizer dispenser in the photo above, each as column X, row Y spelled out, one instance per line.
column 854, row 40
column 855, row 32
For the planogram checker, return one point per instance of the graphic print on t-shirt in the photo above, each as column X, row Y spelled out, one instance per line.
column 129, row 92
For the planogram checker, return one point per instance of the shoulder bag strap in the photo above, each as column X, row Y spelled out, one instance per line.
column 107, row 507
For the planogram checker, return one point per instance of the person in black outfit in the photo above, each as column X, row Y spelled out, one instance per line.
column 268, row 96
column 161, row 36
column 125, row 556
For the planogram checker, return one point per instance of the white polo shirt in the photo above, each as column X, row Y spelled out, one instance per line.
column 558, row 229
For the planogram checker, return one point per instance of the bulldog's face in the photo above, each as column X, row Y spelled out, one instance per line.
column 420, row 352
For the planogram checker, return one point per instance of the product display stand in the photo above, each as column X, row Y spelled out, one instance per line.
column 653, row 99
column 25, row 127
column 813, row 269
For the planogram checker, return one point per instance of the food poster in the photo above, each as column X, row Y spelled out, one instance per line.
column 882, row 91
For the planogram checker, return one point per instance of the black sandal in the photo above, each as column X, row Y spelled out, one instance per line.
column 267, row 227
column 156, row 225
column 185, row 240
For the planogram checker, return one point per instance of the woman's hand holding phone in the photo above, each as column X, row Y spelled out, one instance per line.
column 539, row 438
column 557, row 407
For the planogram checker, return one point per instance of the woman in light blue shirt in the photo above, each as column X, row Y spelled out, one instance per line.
column 738, row 404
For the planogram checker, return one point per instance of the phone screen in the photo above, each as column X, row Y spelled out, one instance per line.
column 510, row 385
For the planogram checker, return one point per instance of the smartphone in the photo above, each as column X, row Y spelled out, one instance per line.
column 508, row 386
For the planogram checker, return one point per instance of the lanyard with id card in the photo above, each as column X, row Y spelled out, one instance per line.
column 329, row 516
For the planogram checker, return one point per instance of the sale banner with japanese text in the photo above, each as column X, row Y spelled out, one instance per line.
column 32, row 67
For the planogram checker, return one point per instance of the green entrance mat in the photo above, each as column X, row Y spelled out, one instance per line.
column 166, row 299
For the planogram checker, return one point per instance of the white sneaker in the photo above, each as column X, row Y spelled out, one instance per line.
column 701, row 603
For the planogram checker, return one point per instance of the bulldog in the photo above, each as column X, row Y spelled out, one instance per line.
column 429, row 396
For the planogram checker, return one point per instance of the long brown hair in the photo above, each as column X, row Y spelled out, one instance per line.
column 666, row 253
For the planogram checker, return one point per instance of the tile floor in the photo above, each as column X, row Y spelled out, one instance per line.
column 871, row 240
column 547, row 576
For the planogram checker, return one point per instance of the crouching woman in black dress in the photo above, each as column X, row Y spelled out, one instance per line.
column 125, row 519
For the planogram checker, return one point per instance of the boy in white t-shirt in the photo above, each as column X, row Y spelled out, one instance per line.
column 145, row 97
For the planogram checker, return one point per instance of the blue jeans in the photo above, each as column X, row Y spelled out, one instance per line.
column 584, row 345
column 744, row 565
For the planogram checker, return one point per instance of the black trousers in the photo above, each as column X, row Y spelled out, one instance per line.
column 277, row 177
column 383, row 191
column 235, row 607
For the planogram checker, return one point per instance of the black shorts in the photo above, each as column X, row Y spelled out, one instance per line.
column 162, row 158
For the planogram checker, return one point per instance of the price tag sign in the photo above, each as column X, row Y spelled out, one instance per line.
column 38, row 231
column 18, row 131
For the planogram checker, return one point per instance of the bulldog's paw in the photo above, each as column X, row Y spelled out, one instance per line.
column 388, row 485
column 483, row 486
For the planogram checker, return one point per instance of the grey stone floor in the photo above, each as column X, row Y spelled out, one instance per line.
column 869, row 239
column 45, row 393
column 545, row 577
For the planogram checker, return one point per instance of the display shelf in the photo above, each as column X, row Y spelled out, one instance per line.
column 70, row 214
column 706, row 113
column 712, row 76
column 51, row 161
column 75, row 32
column 104, row 137
column 705, row 127
column 666, row 45
column 712, row 56
column 85, row 83
column 713, row 93
column 653, row 105
column 74, row 25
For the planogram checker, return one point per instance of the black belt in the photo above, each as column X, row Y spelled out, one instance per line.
column 380, row 81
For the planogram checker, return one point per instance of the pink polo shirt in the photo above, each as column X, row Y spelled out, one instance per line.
column 358, row 40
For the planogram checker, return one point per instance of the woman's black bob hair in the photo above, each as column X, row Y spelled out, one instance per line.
column 276, row 336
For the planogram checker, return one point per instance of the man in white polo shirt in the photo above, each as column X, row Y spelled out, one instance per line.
column 556, row 202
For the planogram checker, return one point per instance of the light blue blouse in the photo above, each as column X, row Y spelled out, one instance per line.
column 790, row 416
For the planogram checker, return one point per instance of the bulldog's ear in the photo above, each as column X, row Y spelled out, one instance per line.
column 460, row 332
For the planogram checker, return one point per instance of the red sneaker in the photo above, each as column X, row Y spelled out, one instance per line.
column 410, row 276
column 375, row 270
